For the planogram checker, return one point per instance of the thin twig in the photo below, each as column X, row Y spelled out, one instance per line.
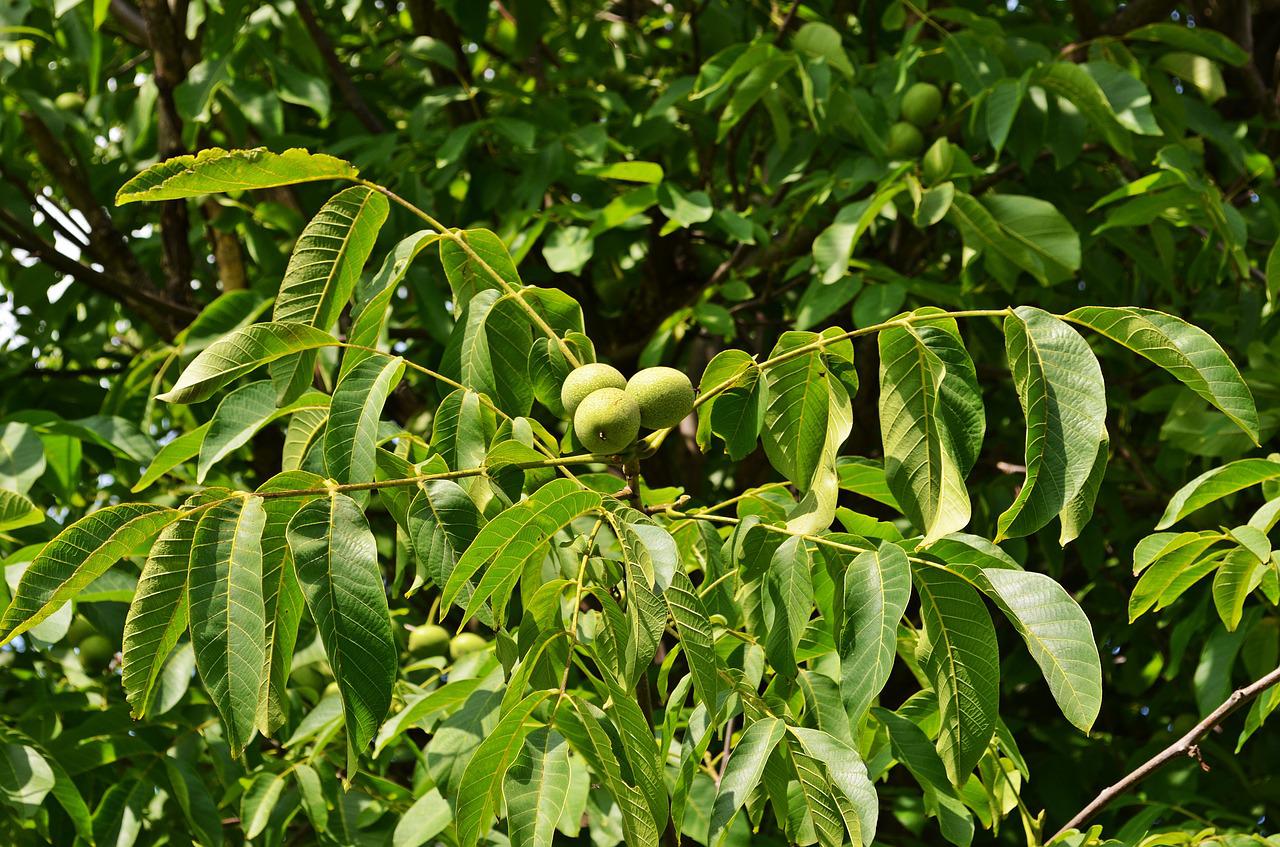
column 1184, row 746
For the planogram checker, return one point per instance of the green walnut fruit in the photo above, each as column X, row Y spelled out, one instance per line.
column 937, row 162
column 427, row 641
column 608, row 421
column 583, row 381
column 96, row 652
column 79, row 630
column 69, row 101
column 921, row 104
column 904, row 142
column 664, row 395
column 464, row 643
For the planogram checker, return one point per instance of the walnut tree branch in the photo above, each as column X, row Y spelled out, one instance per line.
column 337, row 70
column 1187, row 745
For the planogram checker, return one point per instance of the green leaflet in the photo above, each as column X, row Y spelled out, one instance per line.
column 822, row 802
column 1213, row 485
column 585, row 730
column 931, row 423
column 241, row 414
column 515, row 535
column 442, row 522
column 17, row 511
column 259, row 801
column 1074, row 83
column 480, row 794
column 696, row 637
column 181, row 449
column 422, row 707
column 198, row 806
column 22, row 459
column 240, row 352
column 796, row 417
column 228, row 621
column 467, row 275
column 1079, row 509
column 787, row 603
column 1029, row 233
column 536, row 788
column 1063, row 398
column 282, row 601
column 1240, row 572
column 336, row 559
column 488, row 351
column 962, row 660
column 743, row 774
column 76, row 557
column 373, row 301
column 1167, row 572
column 158, row 614
column 877, row 588
column 305, row 428
column 846, row 771
column 425, row 819
column 322, row 272
column 911, row 747
column 351, row 437
column 1182, row 349
column 1058, row 636
column 216, row 171
column 64, row 788
column 25, row 778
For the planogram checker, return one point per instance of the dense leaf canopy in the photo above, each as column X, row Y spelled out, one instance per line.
column 972, row 515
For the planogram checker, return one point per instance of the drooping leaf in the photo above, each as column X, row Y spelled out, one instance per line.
column 480, row 794
column 1240, row 572
column 78, row 555
column 931, row 422
column 369, row 317
column 336, row 558
column 1182, row 349
column 425, row 819
column 181, row 449
column 911, row 747
column 1079, row 509
column 198, row 806
column 696, row 637
column 228, row 624
column 845, row 768
column 216, row 171
column 1060, row 388
column 1058, row 636
column 877, row 587
column 240, row 352
column 472, row 270
column 158, row 614
column 17, row 511
column 488, row 351
column 796, row 415
column 962, row 660
column 537, row 789
column 743, row 774
column 22, row 459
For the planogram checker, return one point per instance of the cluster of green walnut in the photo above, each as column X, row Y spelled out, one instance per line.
column 607, row 409
column 921, row 105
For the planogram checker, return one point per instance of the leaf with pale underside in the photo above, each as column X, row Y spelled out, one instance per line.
column 76, row 557
column 228, row 623
column 239, row 352
column 215, row 171
column 1063, row 398
column 336, row 559
column 158, row 614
